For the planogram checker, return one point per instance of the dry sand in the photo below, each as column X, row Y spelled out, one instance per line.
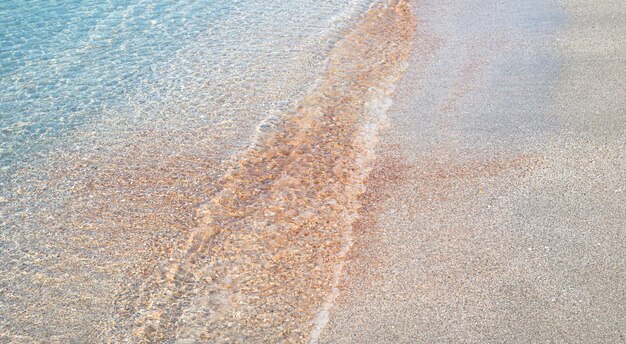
column 497, row 211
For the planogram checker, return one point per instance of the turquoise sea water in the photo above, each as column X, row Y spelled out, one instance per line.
column 65, row 64
column 115, row 120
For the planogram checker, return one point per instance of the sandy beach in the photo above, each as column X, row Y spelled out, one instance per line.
column 496, row 212
column 364, row 171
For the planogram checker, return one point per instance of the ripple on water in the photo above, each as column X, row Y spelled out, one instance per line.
column 264, row 260
column 88, row 219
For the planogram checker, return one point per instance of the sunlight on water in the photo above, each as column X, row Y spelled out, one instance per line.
column 118, row 119
column 63, row 62
column 68, row 64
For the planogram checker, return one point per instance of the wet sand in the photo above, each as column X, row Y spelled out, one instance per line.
column 496, row 212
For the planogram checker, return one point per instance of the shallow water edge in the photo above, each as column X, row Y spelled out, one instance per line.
column 265, row 259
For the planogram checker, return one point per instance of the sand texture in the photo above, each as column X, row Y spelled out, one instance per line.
column 496, row 212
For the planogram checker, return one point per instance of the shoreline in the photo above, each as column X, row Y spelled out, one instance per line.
column 451, row 171
column 267, row 253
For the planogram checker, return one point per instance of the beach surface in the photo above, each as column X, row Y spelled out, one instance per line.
column 496, row 212
column 395, row 171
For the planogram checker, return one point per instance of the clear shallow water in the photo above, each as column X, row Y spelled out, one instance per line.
column 64, row 62
column 115, row 119
column 67, row 64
